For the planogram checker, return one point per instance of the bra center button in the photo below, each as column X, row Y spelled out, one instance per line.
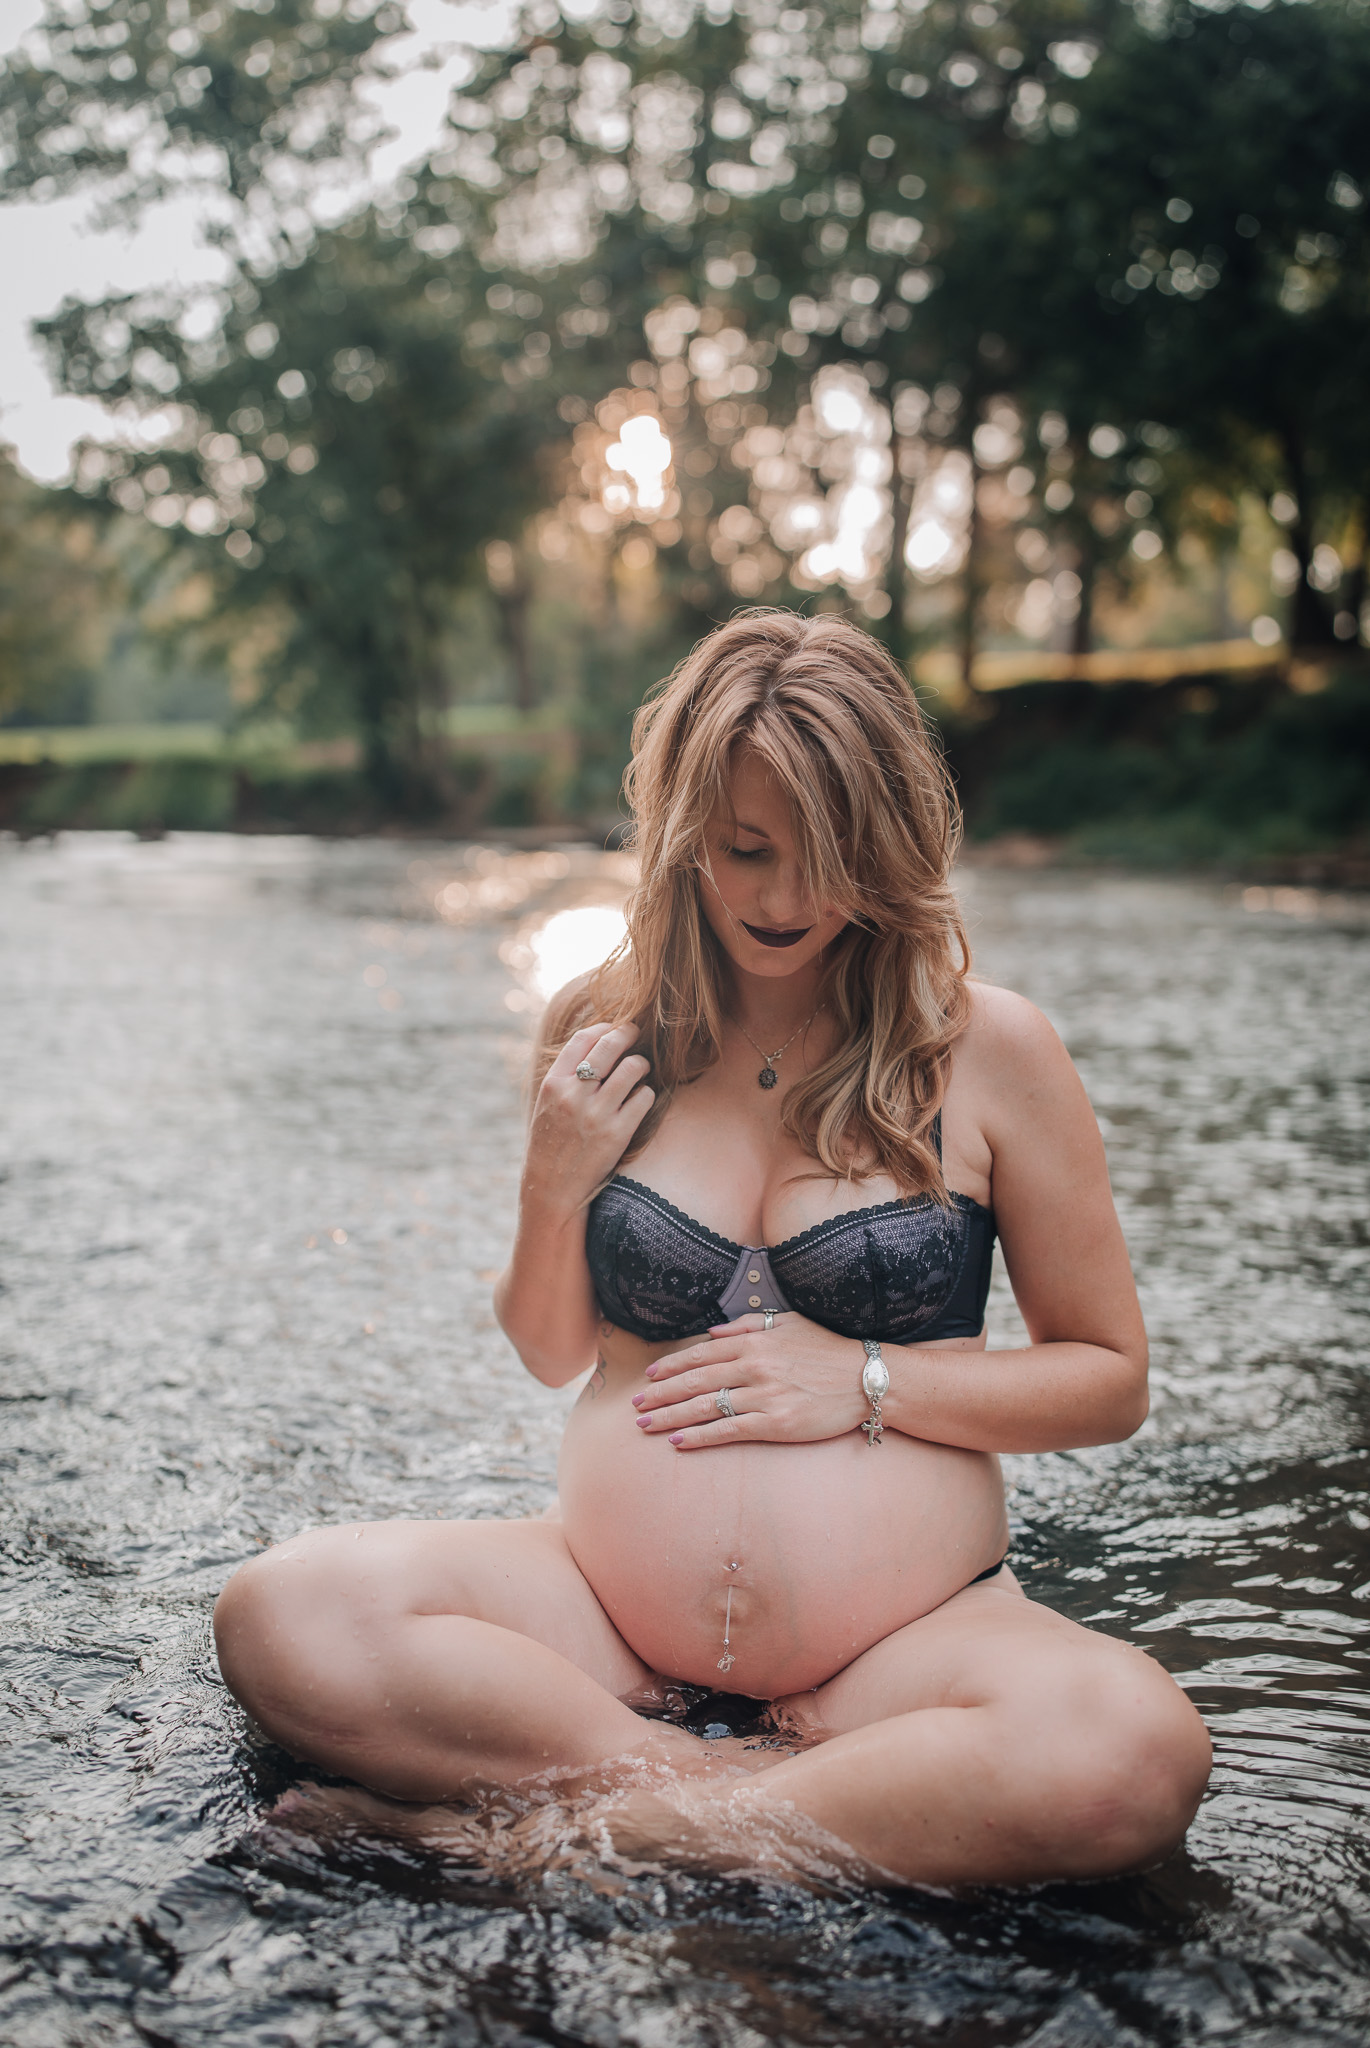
column 753, row 1301
column 754, row 1275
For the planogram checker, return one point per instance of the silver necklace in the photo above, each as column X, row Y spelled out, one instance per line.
column 768, row 1077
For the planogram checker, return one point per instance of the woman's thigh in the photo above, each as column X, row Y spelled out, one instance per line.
column 993, row 1739
column 351, row 1591
column 988, row 1646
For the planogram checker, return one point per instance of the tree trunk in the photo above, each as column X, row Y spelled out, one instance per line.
column 970, row 584
column 892, row 628
column 1310, row 622
column 1353, row 588
column 1082, row 625
column 513, row 618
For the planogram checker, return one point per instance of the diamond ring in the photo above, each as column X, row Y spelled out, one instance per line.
column 723, row 1401
column 585, row 1072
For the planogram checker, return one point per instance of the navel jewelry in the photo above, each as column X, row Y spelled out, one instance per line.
column 769, row 1314
column 875, row 1384
column 585, row 1072
column 727, row 1660
column 723, row 1401
column 768, row 1077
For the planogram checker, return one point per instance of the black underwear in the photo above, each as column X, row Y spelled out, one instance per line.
column 990, row 1572
column 905, row 1271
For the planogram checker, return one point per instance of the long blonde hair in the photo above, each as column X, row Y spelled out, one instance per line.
column 833, row 719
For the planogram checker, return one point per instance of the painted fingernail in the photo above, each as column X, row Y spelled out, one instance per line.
column 677, row 1439
column 638, row 1400
column 651, row 1372
column 643, row 1421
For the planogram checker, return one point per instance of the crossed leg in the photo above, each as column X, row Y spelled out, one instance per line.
column 429, row 1660
column 992, row 1741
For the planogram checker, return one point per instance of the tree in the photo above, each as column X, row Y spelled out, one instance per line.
column 62, row 585
column 138, row 99
column 342, row 446
column 971, row 203
column 1194, row 253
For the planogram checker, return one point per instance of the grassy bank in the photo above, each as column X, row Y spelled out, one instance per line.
column 1199, row 772
column 1233, row 772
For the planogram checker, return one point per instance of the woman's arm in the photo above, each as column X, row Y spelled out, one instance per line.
column 1082, row 1377
column 578, row 1132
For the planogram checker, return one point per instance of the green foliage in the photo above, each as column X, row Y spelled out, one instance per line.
column 973, row 206
column 1120, row 248
column 1243, row 772
column 55, row 580
column 347, row 447
column 1196, row 252
column 168, row 795
column 144, row 96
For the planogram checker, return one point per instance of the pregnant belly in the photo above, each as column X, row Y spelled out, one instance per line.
column 802, row 1555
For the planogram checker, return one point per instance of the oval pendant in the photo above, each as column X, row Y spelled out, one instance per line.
column 768, row 1077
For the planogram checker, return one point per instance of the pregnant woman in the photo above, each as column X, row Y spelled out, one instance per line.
column 771, row 1147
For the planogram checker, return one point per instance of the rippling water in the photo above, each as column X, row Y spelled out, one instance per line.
column 262, row 1125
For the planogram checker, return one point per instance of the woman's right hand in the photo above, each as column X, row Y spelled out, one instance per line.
column 581, row 1129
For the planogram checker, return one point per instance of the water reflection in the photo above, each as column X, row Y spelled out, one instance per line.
column 249, row 1230
column 568, row 944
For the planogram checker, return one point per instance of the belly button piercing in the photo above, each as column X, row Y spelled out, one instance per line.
column 727, row 1660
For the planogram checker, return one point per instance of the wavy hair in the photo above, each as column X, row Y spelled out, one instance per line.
column 833, row 718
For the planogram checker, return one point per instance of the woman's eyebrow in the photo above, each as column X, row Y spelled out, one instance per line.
column 739, row 825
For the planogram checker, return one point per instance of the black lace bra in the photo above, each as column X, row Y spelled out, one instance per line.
column 904, row 1271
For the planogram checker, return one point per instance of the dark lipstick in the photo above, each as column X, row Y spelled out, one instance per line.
column 764, row 936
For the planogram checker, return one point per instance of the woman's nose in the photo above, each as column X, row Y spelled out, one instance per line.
column 783, row 900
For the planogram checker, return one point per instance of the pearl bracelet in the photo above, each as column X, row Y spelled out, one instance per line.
column 875, row 1384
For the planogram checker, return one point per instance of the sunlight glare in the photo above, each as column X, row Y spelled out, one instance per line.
column 642, row 453
column 929, row 546
column 570, row 943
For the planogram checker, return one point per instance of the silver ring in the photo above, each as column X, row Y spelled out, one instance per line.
column 723, row 1401
column 769, row 1314
column 585, row 1072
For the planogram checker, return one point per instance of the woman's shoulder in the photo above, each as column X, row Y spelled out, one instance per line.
column 1005, row 1024
column 1013, row 1058
column 1008, row 1039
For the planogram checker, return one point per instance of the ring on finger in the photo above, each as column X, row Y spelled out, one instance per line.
column 769, row 1314
column 723, row 1401
column 585, row 1072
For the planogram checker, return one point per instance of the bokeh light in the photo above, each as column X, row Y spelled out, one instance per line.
column 642, row 453
column 570, row 943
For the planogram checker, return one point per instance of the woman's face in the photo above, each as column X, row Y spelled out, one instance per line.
column 756, row 903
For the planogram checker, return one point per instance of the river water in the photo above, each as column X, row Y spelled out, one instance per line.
column 261, row 1133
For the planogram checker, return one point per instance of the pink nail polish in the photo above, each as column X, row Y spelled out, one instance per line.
column 643, row 1421
column 651, row 1372
column 677, row 1439
column 638, row 1400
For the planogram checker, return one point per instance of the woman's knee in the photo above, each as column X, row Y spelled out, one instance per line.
column 298, row 1630
column 1130, row 1758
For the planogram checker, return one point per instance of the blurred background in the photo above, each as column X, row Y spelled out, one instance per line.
column 395, row 393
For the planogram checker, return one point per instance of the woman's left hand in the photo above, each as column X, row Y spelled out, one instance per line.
column 795, row 1383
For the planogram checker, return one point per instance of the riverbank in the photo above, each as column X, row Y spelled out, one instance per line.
column 1238, row 775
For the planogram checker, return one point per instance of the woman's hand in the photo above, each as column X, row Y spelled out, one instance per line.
column 581, row 1129
column 795, row 1383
